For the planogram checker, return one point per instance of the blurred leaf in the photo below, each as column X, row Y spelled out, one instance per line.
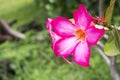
column 112, row 46
column 109, row 11
column 116, row 37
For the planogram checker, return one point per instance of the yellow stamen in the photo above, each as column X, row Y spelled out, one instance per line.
column 80, row 34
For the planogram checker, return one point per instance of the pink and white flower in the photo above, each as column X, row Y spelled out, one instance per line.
column 74, row 38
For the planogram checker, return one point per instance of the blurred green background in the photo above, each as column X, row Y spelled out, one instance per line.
column 32, row 58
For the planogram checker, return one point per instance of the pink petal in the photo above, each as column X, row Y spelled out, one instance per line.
column 65, row 46
column 82, row 17
column 48, row 23
column 54, row 36
column 82, row 54
column 63, row 27
column 93, row 35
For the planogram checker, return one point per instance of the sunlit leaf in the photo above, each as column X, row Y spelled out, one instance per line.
column 112, row 47
column 109, row 12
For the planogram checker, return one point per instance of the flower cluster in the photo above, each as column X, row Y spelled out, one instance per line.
column 75, row 39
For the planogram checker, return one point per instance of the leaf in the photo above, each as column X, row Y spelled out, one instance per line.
column 111, row 47
column 109, row 12
column 116, row 37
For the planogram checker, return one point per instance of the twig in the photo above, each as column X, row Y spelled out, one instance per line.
column 109, row 60
column 100, row 44
column 106, row 58
column 11, row 31
column 115, row 75
column 100, row 8
column 99, row 48
column 111, row 63
column 105, row 36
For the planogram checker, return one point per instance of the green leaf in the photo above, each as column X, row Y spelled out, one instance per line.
column 109, row 11
column 116, row 37
column 111, row 47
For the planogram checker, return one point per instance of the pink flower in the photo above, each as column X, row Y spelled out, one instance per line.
column 74, row 39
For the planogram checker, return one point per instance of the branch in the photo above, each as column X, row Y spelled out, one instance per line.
column 111, row 63
column 100, row 8
column 99, row 48
column 105, row 36
column 12, row 32
column 109, row 60
column 115, row 75
column 106, row 58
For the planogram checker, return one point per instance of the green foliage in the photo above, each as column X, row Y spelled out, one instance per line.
column 33, row 59
column 111, row 48
column 24, row 11
column 116, row 34
column 109, row 12
column 116, row 20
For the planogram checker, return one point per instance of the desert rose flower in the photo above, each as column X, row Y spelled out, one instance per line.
column 74, row 38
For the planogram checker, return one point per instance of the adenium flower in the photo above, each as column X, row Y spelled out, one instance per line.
column 75, row 39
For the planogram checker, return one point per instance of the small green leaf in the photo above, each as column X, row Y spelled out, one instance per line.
column 109, row 11
column 111, row 47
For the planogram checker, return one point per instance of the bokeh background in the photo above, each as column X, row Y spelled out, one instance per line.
column 32, row 58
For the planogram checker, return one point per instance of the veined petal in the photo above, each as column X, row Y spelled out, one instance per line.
column 54, row 36
column 82, row 54
column 63, row 27
column 82, row 17
column 65, row 46
column 93, row 35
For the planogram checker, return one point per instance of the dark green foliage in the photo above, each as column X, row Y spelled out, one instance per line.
column 33, row 59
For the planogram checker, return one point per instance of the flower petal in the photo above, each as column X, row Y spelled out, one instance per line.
column 65, row 46
column 93, row 35
column 54, row 36
column 82, row 54
column 48, row 23
column 82, row 17
column 63, row 27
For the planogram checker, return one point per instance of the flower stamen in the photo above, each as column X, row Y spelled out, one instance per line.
column 80, row 34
